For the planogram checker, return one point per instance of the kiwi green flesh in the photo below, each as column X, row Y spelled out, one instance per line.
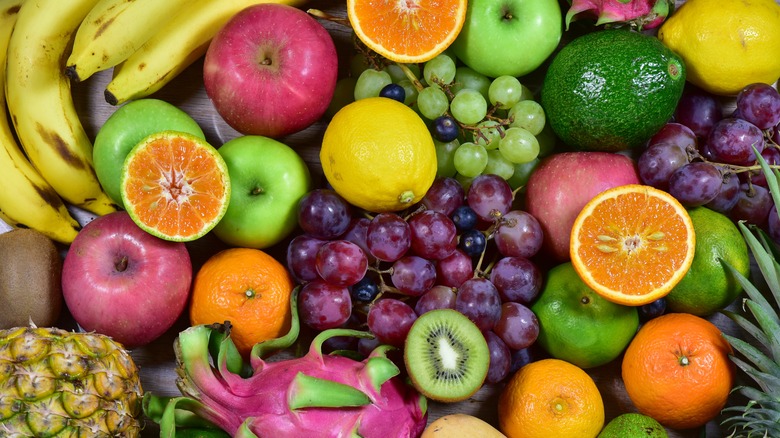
column 446, row 356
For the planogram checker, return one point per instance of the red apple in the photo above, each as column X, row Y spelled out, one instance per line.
column 561, row 186
column 271, row 70
column 121, row 281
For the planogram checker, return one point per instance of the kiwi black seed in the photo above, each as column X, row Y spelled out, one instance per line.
column 446, row 355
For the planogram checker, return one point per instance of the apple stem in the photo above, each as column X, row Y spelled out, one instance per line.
column 121, row 264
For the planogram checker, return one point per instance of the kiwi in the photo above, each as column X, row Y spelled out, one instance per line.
column 30, row 279
column 446, row 355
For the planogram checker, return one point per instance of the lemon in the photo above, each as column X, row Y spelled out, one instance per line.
column 708, row 286
column 378, row 154
column 726, row 44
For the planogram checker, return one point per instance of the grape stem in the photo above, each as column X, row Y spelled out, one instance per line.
column 326, row 16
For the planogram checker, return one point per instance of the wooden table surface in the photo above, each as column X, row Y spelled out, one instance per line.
column 156, row 361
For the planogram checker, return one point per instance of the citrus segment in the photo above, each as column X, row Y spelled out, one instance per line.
column 175, row 186
column 247, row 287
column 632, row 244
column 407, row 31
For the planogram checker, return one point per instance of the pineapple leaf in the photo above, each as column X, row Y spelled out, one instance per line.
column 748, row 326
column 769, row 323
column 754, row 355
column 756, row 396
column 769, row 383
column 766, row 263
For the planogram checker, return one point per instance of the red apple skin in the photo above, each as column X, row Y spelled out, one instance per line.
column 561, row 186
column 271, row 70
column 136, row 304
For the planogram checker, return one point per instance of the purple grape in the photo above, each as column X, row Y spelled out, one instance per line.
column 526, row 356
column 323, row 306
column 652, row 310
column 433, row 234
column 357, row 232
column 676, row 134
column 518, row 234
column 464, row 218
column 657, row 163
column 437, row 297
column 454, row 269
column 753, row 205
column 776, row 134
column 731, row 141
column 773, row 225
column 324, row 214
column 364, row 290
column 341, row 263
column 490, row 196
column 301, row 257
column 728, row 195
column 517, row 279
column 479, row 300
column 388, row 237
column 390, row 320
column 445, row 129
column 500, row 358
column 698, row 110
column 772, row 157
column 393, row 91
column 445, row 195
column 695, row 183
column 759, row 104
column 518, row 326
column 472, row 242
column 413, row 275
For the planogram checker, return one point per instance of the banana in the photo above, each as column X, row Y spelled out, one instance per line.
column 26, row 199
column 41, row 105
column 174, row 47
column 113, row 30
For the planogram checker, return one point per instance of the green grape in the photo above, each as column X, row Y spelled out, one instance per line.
column 522, row 173
column 518, row 145
column 465, row 77
column 527, row 94
column 432, row 102
column 411, row 91
column 397, row 73
column 498, row 165
column 468, row 106
column 439, row 70
column 370, row 83
column 528, row 114
column 343, row 95
column 358, row 63
column 470, row 159
column 548, row 141
column 487, row 133
column 505, row 91
column 445, row 157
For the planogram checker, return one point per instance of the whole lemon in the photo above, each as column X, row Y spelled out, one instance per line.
column 378, row 154
column 726, row 44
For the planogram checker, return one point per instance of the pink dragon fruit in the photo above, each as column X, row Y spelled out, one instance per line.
column 315, row 395
column 642, row 14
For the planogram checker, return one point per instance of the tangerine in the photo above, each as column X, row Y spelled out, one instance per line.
column 247, row 287
column 677, row 370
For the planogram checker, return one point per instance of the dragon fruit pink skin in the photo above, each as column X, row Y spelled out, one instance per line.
column 314, row 395
column 643, row 14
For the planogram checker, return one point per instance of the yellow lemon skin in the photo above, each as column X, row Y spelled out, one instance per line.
column 378, row 155
column 726, row 44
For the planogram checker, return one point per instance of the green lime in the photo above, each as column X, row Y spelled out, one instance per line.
column 633, row 425
column 611, row 90
column 579, row 326
column 709, row 286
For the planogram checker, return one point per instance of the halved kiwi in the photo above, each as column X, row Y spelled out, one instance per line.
column 446, row 355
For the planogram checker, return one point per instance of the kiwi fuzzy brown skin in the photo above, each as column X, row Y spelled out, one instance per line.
column 30, row 279
column 423, row 359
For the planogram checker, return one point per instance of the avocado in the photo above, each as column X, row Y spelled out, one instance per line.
column 30, row 278
column 611, row 90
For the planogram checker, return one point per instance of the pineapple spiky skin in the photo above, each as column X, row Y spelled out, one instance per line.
column 56, row 383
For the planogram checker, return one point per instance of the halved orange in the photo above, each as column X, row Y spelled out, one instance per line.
column 632, row 244
column 407, row 31
column 175, row 186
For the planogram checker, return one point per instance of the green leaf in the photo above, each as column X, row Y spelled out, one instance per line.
column 748, row 326
column 769, row 324
column 754, row 355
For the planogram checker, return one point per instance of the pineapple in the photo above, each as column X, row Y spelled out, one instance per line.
column 56, row 383
column 760, row 417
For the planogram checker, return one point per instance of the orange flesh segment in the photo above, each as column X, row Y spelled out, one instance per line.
column 407, row 29
column 175, row 186
column 635, row 246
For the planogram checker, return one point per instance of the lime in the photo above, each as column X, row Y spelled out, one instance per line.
column 579, row 326
column 633, row 425
column 709, row 286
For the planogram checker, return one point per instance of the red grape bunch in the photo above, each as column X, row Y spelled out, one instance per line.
column 465, row 249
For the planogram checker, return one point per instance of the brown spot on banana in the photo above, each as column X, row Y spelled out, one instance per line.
column 103, row 26
column 61, row 147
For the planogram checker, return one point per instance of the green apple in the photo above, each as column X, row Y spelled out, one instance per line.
column 508, row 37
column 125, row 128
column 267, row 180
